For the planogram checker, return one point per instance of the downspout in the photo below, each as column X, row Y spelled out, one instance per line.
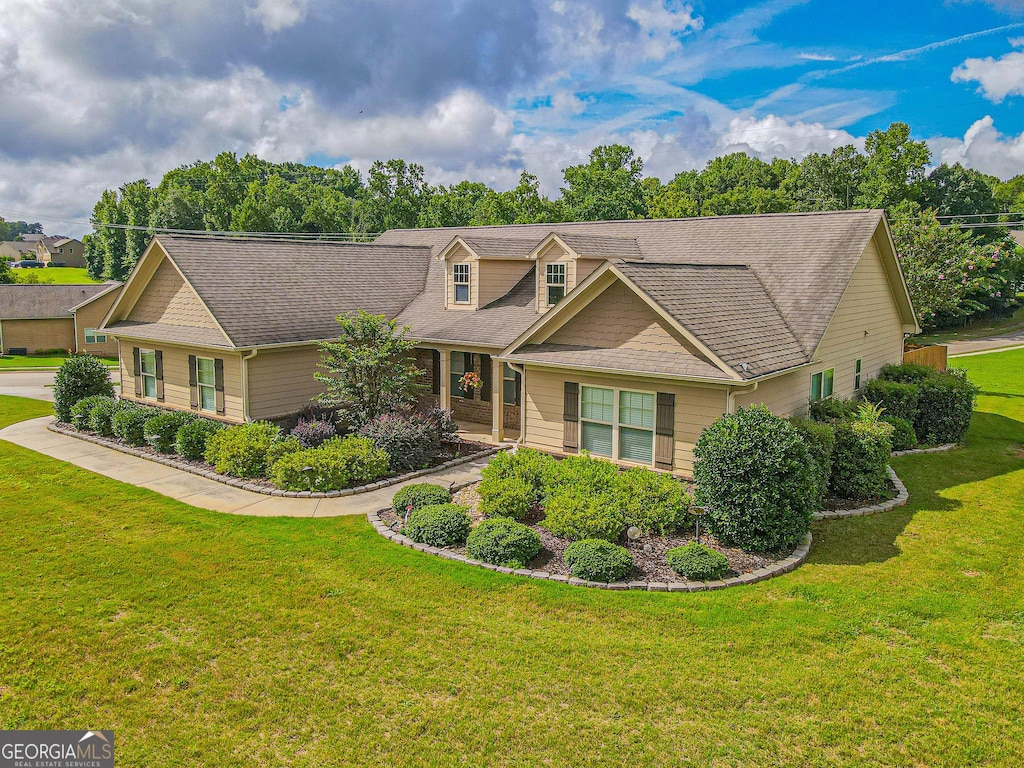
column 245, row 383
column 730, row 397
column 521, row 370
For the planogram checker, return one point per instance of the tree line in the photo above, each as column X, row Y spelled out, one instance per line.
column 229, row 194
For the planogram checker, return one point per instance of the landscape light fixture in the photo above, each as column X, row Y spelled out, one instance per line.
column 308, row 472
column 698, row 513
column 633, row 533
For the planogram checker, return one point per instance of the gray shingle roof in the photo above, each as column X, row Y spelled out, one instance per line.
column 594, row 246
column 207, row 337
column 620, row 359
column 499, row 247
column 275, row 292
column 727, row 309
column 27, row 302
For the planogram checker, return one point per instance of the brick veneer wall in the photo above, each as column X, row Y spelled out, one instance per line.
column 465, row 409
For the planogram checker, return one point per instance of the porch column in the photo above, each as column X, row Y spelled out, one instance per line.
column 497, row 401
column 444, row 389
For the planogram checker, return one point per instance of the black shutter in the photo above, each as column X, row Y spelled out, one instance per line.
column 137, row 370
column 571, row 418
column 435, row 372
column 193, row 382
column 159, row 375
column 485, row 378
column 664, row 430
column 218, row 372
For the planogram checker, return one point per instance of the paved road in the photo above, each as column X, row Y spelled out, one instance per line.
column 35, row 384
column 1015, row 339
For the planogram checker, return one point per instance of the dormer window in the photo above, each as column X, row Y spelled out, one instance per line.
column 555, row 283
column 461, row 274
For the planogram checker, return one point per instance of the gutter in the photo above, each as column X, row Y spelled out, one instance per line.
column 245, row 382
column 730, row 396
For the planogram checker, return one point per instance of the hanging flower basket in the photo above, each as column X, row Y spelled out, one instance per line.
column 470, row 380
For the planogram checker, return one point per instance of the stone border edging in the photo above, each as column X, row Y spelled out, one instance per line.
column 776, row 569
column 247, row 485
column 937, row 449
column 901, row 498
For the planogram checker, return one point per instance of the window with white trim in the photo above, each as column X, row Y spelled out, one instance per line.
column 147, row 360
column 206, row 381
column 509, row 385
column 460, row 276
column 555, row 283
column 821, row 384
column 91, row 337
column 617, row 424
column 856, row 374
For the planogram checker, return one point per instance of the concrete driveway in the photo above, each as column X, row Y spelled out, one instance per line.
column 36, row 384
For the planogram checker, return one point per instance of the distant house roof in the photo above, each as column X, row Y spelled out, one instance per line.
column 16, row 248
column 1018, row 235
column 37, row 302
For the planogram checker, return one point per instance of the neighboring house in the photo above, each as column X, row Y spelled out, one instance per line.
column 1018, row 236
column 16, row 250
column 42, row 317
column 60, row 251
column 623, row 338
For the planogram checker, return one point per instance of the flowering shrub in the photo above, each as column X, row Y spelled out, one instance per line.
column 313, row 432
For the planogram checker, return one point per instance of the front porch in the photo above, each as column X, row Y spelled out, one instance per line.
column 482, row 433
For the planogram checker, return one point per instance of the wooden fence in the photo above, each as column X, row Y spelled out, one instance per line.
column 934, row 356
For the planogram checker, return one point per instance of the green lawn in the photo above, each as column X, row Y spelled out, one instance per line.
column 57, row 275
column 979, row 330
column 210, row 639
column 18, row 362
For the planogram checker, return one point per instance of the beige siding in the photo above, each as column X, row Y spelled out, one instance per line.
column 498, row 277
column 57, row 333
column 553, row 254
column 281, row 381
column 177, row 394
column 168, row 299
column 90, row 316
column 462, row 256
column 785, row 395
column 696, row 408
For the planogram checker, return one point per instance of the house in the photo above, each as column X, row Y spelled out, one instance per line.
column 60, row 252
column 622, row 338
column 64, row 317
column 17, row 250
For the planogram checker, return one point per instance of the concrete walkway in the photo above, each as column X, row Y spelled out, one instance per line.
column 203, row 492
column 36, row 384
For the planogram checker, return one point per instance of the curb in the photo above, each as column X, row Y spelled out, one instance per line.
column 248, row 485
column 902, row 497
column 777, row 569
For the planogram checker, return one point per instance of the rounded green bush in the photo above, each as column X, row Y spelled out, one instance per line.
column 129, row 423
column 242, row 451
column 898, row 398
column 161, row 431
column 652, row 501
column 860, row 458
column 598, row 560
column 820, row 439
column 192, row 436
column 81, row 412
column 529, row 465
column 101, row 416
column 945, row 404
column 698, row 562
column 503, row 541
column 832, row 409
column 583, row 472
column 419, row 495
column 438, row 525
column 338, row 463
column 506, row 497
column 79, row 377
column 756, row 479
column 577, row 513
column 903, row 436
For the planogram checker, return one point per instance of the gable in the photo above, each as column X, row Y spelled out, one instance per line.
column 167, row 299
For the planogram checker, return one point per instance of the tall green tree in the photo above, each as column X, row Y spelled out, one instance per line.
column 894, row 170
column 106, row 247
column 395, row 193
column 135, row 202
column 828, row 182
column 453, row 206
column 952, row 190
column 608, row 187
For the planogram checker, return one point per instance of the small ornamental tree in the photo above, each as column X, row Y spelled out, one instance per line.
column 369, row 370
column 79, row 377
column 756, row 479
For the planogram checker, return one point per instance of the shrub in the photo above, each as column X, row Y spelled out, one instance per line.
column 419, row 495
column 311, row 433
column 907, row 373
column 820, row 440
column 944, row 406
column 438, row 525
column 698, row 562
column 578, row 513
column 898, row 398
column 584, row 473
column 192, row 436
column 598, row 560
column 527, row 464
column 506, row 497
column 832, row 409
column 444, row 423
column 129, row 423
column 860, row 459
column 755, row 477
column 503, row 541
column 411, row 440
column 903, row 436
column 338, row 463
column 652, row 501
column 101, row 416
column 161, row 431
column 81, row 412
column 281, row 448
column 79, row 377
column 242, row 451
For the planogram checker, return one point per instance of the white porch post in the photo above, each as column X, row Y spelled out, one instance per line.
column 444, row 380
column 497, row 401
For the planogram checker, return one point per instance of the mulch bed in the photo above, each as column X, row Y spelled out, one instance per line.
column 834, row 503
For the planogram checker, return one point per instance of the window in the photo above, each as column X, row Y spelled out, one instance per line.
column 148, row 361
column 91, row 337
column 856, row 374
column 206, row 380
column 821, row 384
column 461, row 274
column 555, row 283
column 461, row 362
column 509, row 385
column 620, row 428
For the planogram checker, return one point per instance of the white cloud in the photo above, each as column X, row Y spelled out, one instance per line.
column 997, row 78
column 773, row 136
column 661, row 24
column 985, row 149
column 276, row 15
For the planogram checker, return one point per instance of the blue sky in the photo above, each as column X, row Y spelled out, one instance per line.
column 479, row 89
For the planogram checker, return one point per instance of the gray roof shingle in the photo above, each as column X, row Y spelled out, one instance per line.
column 620, row 359
column 594, row 246
column 28, row 302
column 499, row 247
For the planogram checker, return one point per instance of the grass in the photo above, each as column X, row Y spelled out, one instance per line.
column 212, row 639
column 28, row 362
column 57, row 275
column 974, row 331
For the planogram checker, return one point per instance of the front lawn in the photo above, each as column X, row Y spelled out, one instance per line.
column 56, row 275
column 18, row 362
column 210, row 639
